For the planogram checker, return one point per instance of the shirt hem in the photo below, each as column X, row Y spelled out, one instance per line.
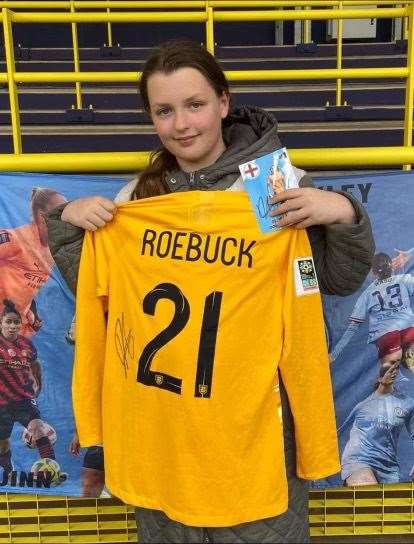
column 319, row 475
column 97, row 441
column 195, row 520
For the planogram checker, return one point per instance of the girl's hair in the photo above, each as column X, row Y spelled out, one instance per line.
column 166, row 59
column 9, row 308
column 40, row 198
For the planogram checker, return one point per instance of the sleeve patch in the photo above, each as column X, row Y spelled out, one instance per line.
column 305, row 278
column 4, row 237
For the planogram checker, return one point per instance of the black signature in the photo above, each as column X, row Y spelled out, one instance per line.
column 263, row 206
column 124, row 343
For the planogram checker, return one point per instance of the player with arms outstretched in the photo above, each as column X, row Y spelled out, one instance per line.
column 387, row 304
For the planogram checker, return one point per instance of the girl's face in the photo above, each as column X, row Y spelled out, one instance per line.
column 10, row 326
column 187, row 115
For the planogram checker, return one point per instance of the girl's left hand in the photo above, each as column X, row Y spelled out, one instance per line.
column 307, row 206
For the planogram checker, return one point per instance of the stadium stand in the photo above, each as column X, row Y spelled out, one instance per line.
column 115, row 120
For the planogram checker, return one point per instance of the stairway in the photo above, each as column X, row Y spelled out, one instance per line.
column 117, row 122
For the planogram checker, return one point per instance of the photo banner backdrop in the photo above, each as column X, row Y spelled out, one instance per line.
column 370, row 336
column 371, row 340
column 35, row 369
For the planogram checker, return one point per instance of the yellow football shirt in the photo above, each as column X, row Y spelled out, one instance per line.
column 185, row 312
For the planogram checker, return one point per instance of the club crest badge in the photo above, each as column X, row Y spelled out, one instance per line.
column 159, row 379
column 203, row 389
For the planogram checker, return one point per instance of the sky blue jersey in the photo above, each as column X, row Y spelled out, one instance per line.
column 373, row 439
column 387, row 304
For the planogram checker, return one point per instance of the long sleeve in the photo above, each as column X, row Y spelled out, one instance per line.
column 304, row 369
column 65, row 244
column 65, row 240
column 90, row 345
column 343, row 253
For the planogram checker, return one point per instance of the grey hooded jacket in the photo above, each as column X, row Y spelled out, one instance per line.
column 342, row 255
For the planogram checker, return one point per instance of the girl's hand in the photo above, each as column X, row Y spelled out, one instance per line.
column 89, row 213
column 304, row 207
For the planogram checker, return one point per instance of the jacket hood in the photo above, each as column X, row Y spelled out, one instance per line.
column 249, row 132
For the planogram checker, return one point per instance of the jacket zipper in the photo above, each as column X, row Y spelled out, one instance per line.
column 191, row 180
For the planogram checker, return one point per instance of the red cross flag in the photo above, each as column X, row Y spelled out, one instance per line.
column 251, row 170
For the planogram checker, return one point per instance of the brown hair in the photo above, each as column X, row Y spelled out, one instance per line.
column 168, row 58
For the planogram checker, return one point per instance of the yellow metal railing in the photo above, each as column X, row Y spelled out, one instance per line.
column 208, row 13
column 409, row 91
column 332, row 512
column 76, row 62
column 10, row 77
column 184, row 4
column 130, row 161
column 192, row 4
column 339, row 36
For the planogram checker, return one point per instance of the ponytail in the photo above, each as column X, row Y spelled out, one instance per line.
column 151, row 181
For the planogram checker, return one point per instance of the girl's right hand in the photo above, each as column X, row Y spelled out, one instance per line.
column 90, row 213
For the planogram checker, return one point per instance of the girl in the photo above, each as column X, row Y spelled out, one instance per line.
column 187, row 97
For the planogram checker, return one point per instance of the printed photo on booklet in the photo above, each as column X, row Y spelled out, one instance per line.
column 264, row 178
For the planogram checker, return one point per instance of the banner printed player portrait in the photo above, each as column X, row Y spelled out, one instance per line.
column 38, row 451
column 371, row 341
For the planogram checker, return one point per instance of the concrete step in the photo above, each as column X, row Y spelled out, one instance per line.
column 221, row 52
column 84, row 138
column 132, row 117
column 128, row 65
column 43, row 97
